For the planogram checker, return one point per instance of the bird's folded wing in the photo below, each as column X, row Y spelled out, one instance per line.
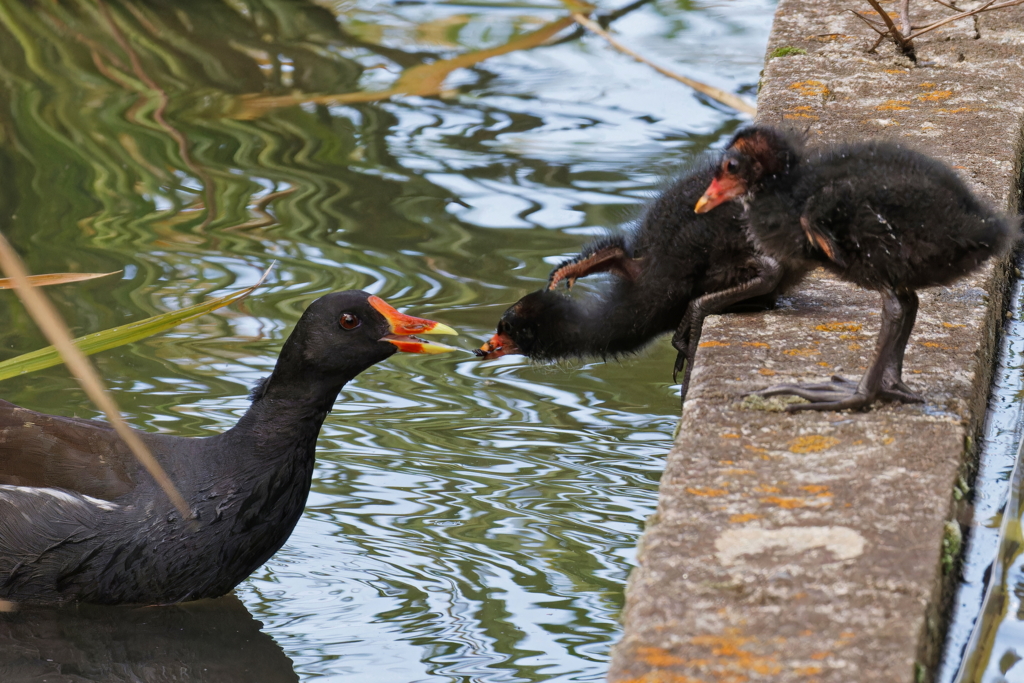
column 70, row 453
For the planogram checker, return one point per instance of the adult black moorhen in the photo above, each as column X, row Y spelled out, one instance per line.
column 669, row 273
column 80, row 520
column 877, row 214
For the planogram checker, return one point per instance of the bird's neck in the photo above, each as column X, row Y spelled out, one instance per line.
column 285, row 417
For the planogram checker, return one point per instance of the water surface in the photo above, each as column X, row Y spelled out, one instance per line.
column 468, row 521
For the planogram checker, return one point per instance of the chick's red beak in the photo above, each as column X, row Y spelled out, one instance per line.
column 497, row 346
column 720, row 191
column 403, row 327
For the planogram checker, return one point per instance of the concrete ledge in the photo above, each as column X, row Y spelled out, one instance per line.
column 824, row 547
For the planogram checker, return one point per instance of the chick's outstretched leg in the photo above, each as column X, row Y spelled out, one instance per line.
column 687, row 336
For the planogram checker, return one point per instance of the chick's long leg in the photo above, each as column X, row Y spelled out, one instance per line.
column 687, row 336
column 893, row 387
column 898, row 314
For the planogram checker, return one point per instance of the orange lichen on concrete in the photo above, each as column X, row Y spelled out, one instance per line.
column 823, row 364
column 818, row 656
column 660, row 676
column 706, row 491
column 816, row 488
column 936, row 345
column 744, row 518
column 659, row 659
column 810, row 88
column 730, row 435
column 733, row 659
column 958, row 110
column 812, row 443
column 807, row 670
column 839, row 327
column 707, row 344
column 737, row 472
column 757, row 345
column 886, row 440
column 812, row 117
column 765, row 488
column 785, row 503
column 854, row 347
column 952, row 325
column 935, row 96
column 656, row 656
column 894, row 105
column 767, row 372
column 827, row 37
column 803, row 353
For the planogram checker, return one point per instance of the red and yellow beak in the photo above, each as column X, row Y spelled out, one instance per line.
column 403, row 327
column 720, row 191
column 497, row 346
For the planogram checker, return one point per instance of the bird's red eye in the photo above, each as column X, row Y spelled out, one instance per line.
column 349, row 321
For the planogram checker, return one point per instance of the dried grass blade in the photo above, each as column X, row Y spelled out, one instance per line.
column 55, row 279
column 52, row 325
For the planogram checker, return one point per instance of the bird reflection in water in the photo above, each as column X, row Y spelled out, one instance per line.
column 206, row 641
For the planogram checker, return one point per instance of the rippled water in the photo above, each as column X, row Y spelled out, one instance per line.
column 468, row 521
column 984, row 640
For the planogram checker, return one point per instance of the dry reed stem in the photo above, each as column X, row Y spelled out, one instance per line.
column 905, row 42
column 726, row 98
column 905, row 17
column 53, row 327
column 902, row 42
column 987, row 7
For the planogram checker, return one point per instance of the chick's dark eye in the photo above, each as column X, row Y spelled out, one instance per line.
column 349, row 321
column 732, row 166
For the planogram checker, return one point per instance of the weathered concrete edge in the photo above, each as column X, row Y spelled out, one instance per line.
column 679, row 629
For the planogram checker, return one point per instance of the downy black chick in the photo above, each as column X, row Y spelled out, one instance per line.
column 877, row 214
column 668, row 273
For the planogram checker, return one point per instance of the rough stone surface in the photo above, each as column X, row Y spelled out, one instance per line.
column 809, row 547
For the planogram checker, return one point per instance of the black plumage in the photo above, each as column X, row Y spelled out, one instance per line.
column 80, row 520
column 669, row 272
column 876, row 214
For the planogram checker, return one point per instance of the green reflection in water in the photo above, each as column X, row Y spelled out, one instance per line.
column 468, row 521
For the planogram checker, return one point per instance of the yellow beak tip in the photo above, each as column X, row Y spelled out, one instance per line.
column 441, row 328
column 432, row 348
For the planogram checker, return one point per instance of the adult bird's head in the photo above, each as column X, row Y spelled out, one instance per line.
column 754, row 155
column 343, row 333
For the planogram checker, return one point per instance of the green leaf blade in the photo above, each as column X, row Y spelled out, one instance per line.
column 118, row 336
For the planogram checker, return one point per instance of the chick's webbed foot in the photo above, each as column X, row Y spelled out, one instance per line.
column 840, row 393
